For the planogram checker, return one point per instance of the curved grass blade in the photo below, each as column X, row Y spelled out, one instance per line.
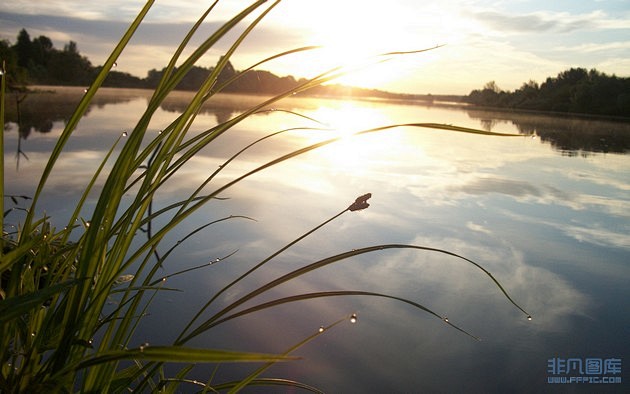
column 171, row 65
column 241, row 73
column 3, row 78
column 268, row 382
column 240, row 385
column 176, row 354
column 330, row 260
column 16, row 306
column 338, row 293
column 82, row 107
column 257, row 266
column 89, row 187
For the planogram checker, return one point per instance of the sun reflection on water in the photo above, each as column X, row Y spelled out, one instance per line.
column 352, row 153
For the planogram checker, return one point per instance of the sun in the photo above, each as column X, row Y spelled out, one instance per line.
column 351, row 33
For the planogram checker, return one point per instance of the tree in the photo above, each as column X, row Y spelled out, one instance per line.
column 23, row 48
column 492, row 86
column 68, row 67
column 16, row 75
column 575, row 90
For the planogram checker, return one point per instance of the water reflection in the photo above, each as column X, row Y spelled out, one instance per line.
column 570, row 135
column 554, row 230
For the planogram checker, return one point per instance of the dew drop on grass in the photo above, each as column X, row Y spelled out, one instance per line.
column 124, row 134
column 115, row 65
column 446, row 319
column 529, row 317
column 85, row 90
column 143, row 346
column 321, row 328
column 123, row 279
column 353, row 318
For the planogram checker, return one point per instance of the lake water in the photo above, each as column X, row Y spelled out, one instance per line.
column 548, row 213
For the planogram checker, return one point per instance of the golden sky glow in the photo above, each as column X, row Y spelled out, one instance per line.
column 508, row 42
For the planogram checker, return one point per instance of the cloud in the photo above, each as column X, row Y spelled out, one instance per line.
column 510, row 187
column 42, row 24
column 591, row 47
column 542, row 22
column 153, row 43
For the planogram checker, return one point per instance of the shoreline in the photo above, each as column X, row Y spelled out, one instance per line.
column 144, row 92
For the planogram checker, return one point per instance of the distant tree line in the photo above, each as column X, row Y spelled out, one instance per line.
column 573, row 91
column 37, row 62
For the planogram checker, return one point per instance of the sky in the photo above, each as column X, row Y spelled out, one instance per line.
column 473, row 42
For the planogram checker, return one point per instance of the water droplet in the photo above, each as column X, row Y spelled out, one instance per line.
column 321, row 328
column 1, row 72
column 115, row 65
column 123, row 279
column 446, row 319
column 164, row 279
column 87, row 224
column 85, row 90
column 143, row 346
column 353, row 318
column 124, row 134
column 529, row 317
column 160, row 132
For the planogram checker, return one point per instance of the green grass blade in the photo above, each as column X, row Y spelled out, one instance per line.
column 82, row 108
column 339, row 293
column 240, row 385
column 3, row 78
column 14, row 307
column 270, row 382
column 254, row 268
column 179, row 354
column 330, row 260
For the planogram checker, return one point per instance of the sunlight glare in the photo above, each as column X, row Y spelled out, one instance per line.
column 352, row 153
column 352, row 33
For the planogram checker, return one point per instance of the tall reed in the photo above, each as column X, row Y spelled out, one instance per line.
column 56, row 333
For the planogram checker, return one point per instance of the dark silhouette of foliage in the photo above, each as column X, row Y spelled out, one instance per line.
column 573, row 91
column 38, row 62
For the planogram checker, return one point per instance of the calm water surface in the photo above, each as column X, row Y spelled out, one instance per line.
column 547, row 213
